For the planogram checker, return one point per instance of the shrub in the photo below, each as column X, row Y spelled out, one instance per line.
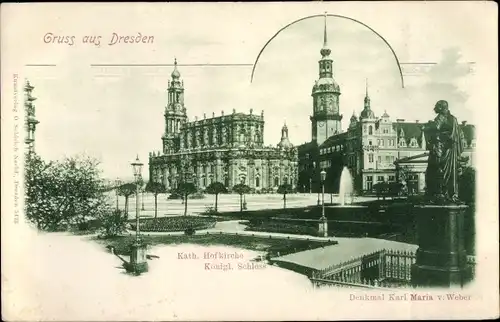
column 60, row 194
column 89, row 225
column 113, row 224
column 210, row 211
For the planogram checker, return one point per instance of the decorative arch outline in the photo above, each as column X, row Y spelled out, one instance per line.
column 329, row 15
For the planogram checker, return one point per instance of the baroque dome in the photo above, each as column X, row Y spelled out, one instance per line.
column 367, row 114
column 175, row 73
column 326, row 83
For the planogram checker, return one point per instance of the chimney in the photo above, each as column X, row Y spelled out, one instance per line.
column 464, row 123
column 416, row 121
column 400, row 120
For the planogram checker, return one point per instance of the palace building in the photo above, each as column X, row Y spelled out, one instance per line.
column 227, row 148
column 374, row 149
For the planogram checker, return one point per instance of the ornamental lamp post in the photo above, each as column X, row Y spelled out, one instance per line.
column 323, row 223
column 117, row 186
column 138, row 262
column 137, row 167
column 323, row 177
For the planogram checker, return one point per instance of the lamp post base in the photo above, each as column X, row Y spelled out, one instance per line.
column 441, row 256
column 138, row 263
column 323, row 227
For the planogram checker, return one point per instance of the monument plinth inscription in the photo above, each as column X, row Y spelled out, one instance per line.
column 441, row 256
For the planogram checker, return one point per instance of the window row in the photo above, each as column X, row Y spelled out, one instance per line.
column 382, row 158
column 325, row 164
column 331, row 149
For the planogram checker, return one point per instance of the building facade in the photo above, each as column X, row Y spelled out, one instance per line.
column 227, row 148
column 374, row 149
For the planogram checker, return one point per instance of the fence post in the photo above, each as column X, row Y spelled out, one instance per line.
column 381, row 267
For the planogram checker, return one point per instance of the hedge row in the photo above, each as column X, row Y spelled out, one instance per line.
column 178, row 223
column 281, row 227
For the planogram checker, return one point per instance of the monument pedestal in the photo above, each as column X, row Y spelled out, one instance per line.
column 323, row 227
column 441, row 257
column 138, row 262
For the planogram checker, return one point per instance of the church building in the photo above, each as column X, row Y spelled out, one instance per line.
column 226, row 148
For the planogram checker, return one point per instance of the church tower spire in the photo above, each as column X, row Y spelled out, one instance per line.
column 367, row 113
column 367, row 97
column 175, row 112
column 325, row 51
column 326, row 120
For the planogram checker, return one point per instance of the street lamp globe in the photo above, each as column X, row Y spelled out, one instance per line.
column 323, row 175
column 137, row 166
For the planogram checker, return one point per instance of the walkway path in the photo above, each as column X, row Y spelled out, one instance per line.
column 318, row 258
column 227, row 202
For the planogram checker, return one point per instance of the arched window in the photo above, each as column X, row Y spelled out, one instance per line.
column 370, row 130
column 285, row 180
column 204, row 181
column 276, row 181
column 257, row 182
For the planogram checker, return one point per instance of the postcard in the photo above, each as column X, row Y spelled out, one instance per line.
column 249, row 161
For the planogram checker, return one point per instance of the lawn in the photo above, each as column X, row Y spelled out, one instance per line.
column 272, row 246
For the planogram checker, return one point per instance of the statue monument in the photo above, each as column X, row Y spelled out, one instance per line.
column 441, row 256
column 445, row 144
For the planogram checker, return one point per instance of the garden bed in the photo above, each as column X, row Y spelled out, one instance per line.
column 337, row 228
column 282, row 227
column 171, row 224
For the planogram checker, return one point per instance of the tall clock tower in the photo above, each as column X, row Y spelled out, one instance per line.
column 326, row 120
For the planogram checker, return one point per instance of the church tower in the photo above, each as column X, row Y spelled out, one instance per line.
column 175, row 113
column 326, row 120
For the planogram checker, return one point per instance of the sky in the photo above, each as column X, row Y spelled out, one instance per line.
column 116, row 113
